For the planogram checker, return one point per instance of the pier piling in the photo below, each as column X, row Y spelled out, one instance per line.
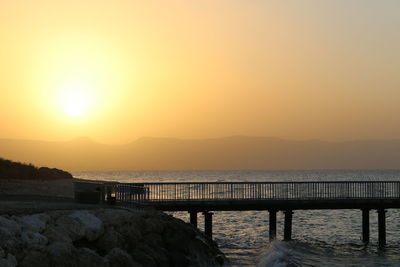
column 365, row 226
column 272, row 225
column 381, row 228
column 208, row 223
column 287, row 235
column 193, row 218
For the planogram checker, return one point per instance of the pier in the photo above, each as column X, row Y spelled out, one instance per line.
column 288, row 197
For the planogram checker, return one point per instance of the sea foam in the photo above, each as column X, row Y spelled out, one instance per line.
column 277, row 254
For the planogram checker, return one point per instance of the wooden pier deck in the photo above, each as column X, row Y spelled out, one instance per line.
column 206, row 197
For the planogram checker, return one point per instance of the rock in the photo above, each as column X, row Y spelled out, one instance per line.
column 63, row 255
column 10, row 225
column 9, row 261
column 158, row 255
column 115, row 217
column 80, row 238
column 175, row 240
column 71, row 227
column 142, row 258
column 131, row 234
column 120, row 258
column 56, row 234
column 7, row 238
column 34, row 258
column 109, row 240
column 91, row 226
column 179, row 259
column 33, row 239
column 35, row 223
column 90, row 258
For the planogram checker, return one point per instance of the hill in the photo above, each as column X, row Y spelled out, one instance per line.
column 234, row 153
column 16, row 170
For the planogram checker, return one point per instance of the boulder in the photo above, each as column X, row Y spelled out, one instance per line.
column 9, row 261
column 34, row 258
column 2, row 253
column 120, row 258
column 90, row 258
column 33, row 239
column 179, row 259
column 71, row 227
column 115, row 217
column 109, row 240
column 56, row 234
column 35, row 223
column 91, row 226
column 63, row 255
column 7, row 238
column 143, row 258
column 11, row 225
column 158, row 255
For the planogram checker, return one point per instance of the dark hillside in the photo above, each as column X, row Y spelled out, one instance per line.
column 15, row 170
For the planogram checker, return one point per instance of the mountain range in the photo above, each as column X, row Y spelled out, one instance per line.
column 229, row 153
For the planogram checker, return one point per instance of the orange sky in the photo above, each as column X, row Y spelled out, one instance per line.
column 118, row 70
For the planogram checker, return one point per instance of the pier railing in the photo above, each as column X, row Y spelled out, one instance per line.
column 126, row 194
column 198, row 191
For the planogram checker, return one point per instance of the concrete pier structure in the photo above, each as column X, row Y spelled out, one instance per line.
column 267, row 196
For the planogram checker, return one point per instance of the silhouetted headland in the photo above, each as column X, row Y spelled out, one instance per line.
column 15, row 170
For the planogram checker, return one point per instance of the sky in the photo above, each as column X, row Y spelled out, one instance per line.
column 115, row 71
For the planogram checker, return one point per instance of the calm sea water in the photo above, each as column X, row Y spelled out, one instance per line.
column 321, row 237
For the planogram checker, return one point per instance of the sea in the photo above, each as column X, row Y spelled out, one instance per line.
column 320, row 237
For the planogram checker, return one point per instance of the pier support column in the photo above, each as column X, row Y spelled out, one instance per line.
column 208, row 223
column 287, row 235
column 381, row 228
column 193, row 218
column 272, row 225
column 365, row 226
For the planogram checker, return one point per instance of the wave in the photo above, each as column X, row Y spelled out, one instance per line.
column 278, row 254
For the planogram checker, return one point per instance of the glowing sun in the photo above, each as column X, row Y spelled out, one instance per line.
column 75, row 98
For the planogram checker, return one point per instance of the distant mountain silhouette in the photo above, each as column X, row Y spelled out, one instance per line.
column 237, row 152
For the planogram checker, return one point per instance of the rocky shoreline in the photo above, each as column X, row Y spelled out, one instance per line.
column 109, row 237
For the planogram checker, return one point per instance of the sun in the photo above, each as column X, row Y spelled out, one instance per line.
column 75, row 98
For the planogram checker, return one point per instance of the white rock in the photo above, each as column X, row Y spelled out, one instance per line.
column 10, row 225
column 10, row 261
column 33, row 239
column 91, row 226
column 71, row 227
column 35, row 223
